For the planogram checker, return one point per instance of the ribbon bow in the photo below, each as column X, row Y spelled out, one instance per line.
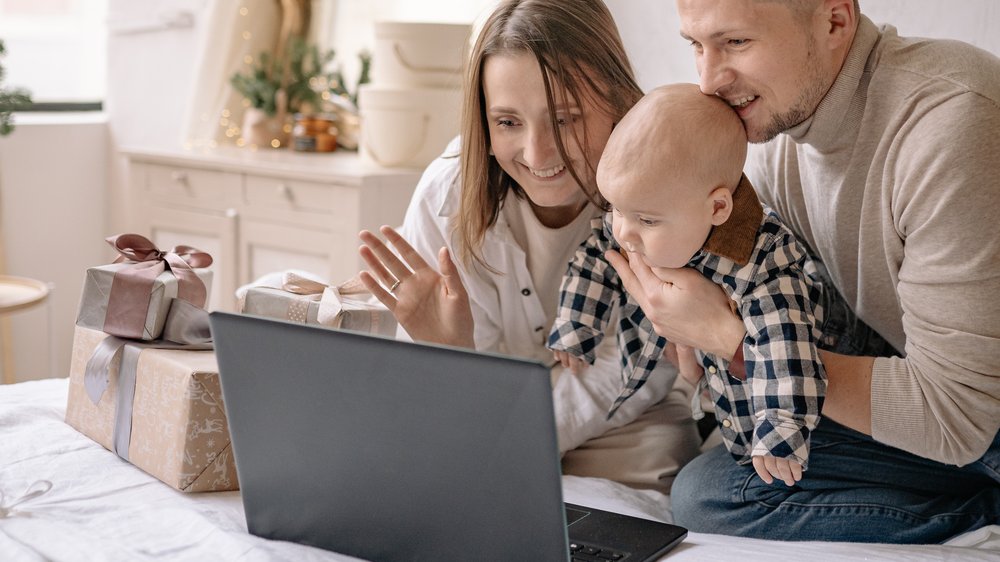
column 330, row 302
column 295, row 283
column 131, row 286
column 38, row 488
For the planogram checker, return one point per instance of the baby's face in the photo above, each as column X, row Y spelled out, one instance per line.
column 657, row 220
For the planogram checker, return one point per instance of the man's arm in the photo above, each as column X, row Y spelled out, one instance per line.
column 941, row 400
column 848, row 390
column 686, row 307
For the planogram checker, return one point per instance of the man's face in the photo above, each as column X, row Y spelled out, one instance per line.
column 761, row 58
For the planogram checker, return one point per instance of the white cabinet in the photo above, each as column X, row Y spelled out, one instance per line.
column 210, row 232
column 263, row 211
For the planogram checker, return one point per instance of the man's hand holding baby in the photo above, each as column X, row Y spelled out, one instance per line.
column 683, row 305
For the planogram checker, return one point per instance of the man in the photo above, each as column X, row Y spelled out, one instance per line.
column 882, row 155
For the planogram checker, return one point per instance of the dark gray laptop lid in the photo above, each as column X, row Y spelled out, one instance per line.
column 390, row 450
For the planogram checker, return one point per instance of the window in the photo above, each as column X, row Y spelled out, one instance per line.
column 56, row 49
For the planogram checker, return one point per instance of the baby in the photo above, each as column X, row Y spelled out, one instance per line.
column 672, row 173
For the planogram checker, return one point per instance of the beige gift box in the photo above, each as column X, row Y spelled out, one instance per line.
column 179, row 430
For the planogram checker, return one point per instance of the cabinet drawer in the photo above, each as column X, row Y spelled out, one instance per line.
column 291, row 195
column 301, row 202
column 192, row 187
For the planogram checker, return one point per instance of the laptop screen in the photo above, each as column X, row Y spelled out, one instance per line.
column 390, row 450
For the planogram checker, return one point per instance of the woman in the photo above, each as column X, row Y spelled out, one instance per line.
column 511, row 201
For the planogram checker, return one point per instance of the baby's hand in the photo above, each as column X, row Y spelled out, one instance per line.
column 683, row 357
column 574, row 364
column 786, row 470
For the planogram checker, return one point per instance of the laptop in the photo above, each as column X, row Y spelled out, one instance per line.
column 389, row 450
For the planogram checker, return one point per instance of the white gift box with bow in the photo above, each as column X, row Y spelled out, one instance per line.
column 300, row 297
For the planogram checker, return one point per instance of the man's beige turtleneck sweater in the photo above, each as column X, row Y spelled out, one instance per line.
column 894, row 183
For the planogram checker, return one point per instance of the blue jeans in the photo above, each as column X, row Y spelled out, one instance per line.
column 856, row 489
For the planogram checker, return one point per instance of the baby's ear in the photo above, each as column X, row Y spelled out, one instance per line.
column 722, row 205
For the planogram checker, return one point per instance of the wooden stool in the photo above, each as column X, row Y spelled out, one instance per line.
column 16, row 293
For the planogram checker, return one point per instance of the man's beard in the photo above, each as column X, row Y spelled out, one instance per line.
column 814, row 87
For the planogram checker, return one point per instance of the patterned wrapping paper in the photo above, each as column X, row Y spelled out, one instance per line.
column 97, row 293
column 348, row 306
column 180, row 433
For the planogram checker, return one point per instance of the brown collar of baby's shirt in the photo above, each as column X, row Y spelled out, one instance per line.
column 735, row 239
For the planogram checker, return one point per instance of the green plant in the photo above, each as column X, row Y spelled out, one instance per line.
column 11, row 100
column 303, row 67
column 337, row 86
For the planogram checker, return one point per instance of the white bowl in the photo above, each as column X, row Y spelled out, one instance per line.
column 407, row 127
column 419, row 54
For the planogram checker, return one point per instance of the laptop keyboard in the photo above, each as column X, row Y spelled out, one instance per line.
column 586, row 553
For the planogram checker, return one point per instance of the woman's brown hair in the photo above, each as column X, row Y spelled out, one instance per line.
column 579, row 50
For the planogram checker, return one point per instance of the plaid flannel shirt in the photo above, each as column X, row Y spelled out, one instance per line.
column 768, row 274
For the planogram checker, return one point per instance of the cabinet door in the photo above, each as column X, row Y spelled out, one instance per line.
column 214, row 233
column 268, row 247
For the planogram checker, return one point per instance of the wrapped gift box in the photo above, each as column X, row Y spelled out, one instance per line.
column 179, row 432
column 97, row 294
column 348, row 307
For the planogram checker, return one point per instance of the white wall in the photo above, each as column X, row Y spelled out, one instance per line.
column 62, row 181
column 150, row 79
column 650, row 30
column 53, row 178
column 150, row 74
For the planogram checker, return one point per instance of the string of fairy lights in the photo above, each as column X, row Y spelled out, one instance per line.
column 229, row 127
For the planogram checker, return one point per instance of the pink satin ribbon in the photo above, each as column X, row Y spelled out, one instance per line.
column 128, row 302
column 331, row 303
column 301, row 286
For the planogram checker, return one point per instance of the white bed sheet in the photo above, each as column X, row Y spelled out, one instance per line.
column 102, row 508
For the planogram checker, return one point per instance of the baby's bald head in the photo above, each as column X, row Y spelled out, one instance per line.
column 679, row 135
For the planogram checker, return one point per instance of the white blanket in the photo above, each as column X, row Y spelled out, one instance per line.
column 102, row 508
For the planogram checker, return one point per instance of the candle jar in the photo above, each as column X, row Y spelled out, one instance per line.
column 314, row 133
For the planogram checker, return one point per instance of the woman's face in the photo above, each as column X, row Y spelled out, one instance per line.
column 522, row 139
